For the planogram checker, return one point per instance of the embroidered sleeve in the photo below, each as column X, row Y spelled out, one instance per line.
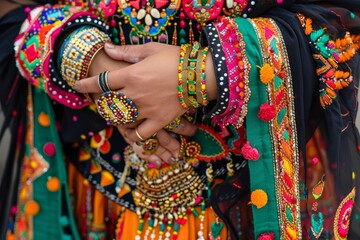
column 35, row 49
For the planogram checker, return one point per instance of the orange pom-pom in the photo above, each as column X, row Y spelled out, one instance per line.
column 44, row 119
column 53, row 184
column 32, row 208
column 259, row 198
column 266, row 74
column 10, row 236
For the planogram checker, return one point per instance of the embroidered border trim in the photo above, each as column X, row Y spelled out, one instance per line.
column 282, row 127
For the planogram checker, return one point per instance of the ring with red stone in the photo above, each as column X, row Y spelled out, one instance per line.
column 116, row 108
column 150, row 146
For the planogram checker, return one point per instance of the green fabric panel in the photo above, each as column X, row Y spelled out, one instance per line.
column 281, row 115
column 47, row 224
column 261, row 171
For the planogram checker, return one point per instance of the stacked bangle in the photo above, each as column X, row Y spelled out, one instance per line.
column 192, row 77
column 201, row 94
column 183, row 49
column 77, row 52
column 211, row 35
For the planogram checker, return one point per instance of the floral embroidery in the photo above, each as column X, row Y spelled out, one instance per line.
column 329, row 55
column 342, row 216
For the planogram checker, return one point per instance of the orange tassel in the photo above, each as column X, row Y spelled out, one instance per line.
column 308, row 26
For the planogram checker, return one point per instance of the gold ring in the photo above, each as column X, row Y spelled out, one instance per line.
column 139, row 136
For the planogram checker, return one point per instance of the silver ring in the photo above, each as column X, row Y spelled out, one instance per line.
column 103, row 81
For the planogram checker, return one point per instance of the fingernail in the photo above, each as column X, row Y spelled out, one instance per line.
column 173, row 160
column 151, row 165
column 109, row 45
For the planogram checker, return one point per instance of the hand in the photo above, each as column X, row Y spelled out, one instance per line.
column 151, row 83
column 168, row 146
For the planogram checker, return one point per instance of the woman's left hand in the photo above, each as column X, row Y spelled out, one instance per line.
column 151, row 83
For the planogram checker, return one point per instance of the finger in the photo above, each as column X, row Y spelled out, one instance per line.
column 160, row 155
column 151, row 158
column 131, row 53
column 169, row 143
column 164, row 154
column 122, row 131
column 154, row 161
column 185, row 128
column 144, row 130
column 91, row 84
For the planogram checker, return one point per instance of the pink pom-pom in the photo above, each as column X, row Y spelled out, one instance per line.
column 267, row 112
column 266, row 236
column 249, row 152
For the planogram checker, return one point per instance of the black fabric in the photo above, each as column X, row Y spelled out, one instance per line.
column 13, row 95
column 262, row 6
column 225, row 198
column 339, row 127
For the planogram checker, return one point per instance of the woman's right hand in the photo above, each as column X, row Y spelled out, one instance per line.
column 169, row 147
column 151, row 83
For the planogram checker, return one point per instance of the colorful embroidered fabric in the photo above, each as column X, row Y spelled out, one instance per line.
column 238, row 68
column 283, row 126
column 43, row 179
column 35, row 45
column 212, row 154
column 330, row 56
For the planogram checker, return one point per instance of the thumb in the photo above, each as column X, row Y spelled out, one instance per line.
column 130, row 53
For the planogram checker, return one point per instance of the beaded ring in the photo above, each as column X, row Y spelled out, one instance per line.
column 103, row 81
column 116, row 108
column 174, row 124
column 150, row 146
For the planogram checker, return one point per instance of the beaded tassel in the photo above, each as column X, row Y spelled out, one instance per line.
column 191, row 33
column 210, row 178
column 140, row 228
column 230, row 167
column 174, row 37
column 121, row 35
column 202, row 217
column 182, row 32
column 114, row 32
column 216, row 228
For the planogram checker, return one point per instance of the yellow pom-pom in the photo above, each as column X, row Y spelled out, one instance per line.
column 32, row 208
column 259, row 198
column 53, row 184
column 266, row 73
column 44, row 119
